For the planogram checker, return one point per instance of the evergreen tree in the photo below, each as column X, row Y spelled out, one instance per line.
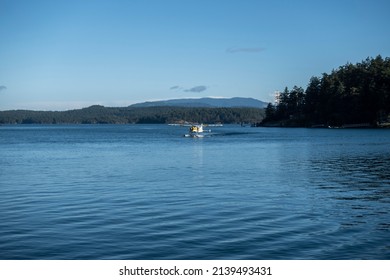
column 351, row 94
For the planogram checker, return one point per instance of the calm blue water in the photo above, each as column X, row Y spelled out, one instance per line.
column 146, row 192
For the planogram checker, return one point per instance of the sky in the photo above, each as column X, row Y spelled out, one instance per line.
column 68, row 54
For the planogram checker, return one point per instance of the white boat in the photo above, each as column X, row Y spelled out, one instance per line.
column 196, row 131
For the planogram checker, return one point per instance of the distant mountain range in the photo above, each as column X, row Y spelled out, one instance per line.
column 206, row 102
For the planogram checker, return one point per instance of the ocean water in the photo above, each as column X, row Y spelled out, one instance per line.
column 146, row 192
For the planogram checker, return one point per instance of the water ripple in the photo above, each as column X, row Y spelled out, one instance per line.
column 123, row 192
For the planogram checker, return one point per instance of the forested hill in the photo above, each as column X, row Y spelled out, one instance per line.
column 129, row 115
column 352, row 95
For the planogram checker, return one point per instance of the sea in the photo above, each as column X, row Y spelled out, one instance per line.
column 145, row 192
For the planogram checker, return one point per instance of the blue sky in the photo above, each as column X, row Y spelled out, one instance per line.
column 57, row 55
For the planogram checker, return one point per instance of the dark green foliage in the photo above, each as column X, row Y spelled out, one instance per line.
column 124, row 115
column 352, row 94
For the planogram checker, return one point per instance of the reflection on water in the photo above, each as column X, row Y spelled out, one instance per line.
column 356, row 184
column 358, row 178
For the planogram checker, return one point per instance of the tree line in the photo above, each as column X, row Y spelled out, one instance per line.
column 128, row 115
column 352, row 95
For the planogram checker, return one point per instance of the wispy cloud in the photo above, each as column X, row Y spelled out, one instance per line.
column 2, row 88
column 245, row 50
column 196, row 89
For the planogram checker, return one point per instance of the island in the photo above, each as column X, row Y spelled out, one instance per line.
column 354, row 95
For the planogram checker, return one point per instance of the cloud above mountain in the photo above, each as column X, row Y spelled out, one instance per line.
column 2, row 88
column 196, row 89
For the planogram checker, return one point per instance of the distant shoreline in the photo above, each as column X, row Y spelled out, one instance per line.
column 134, row 115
